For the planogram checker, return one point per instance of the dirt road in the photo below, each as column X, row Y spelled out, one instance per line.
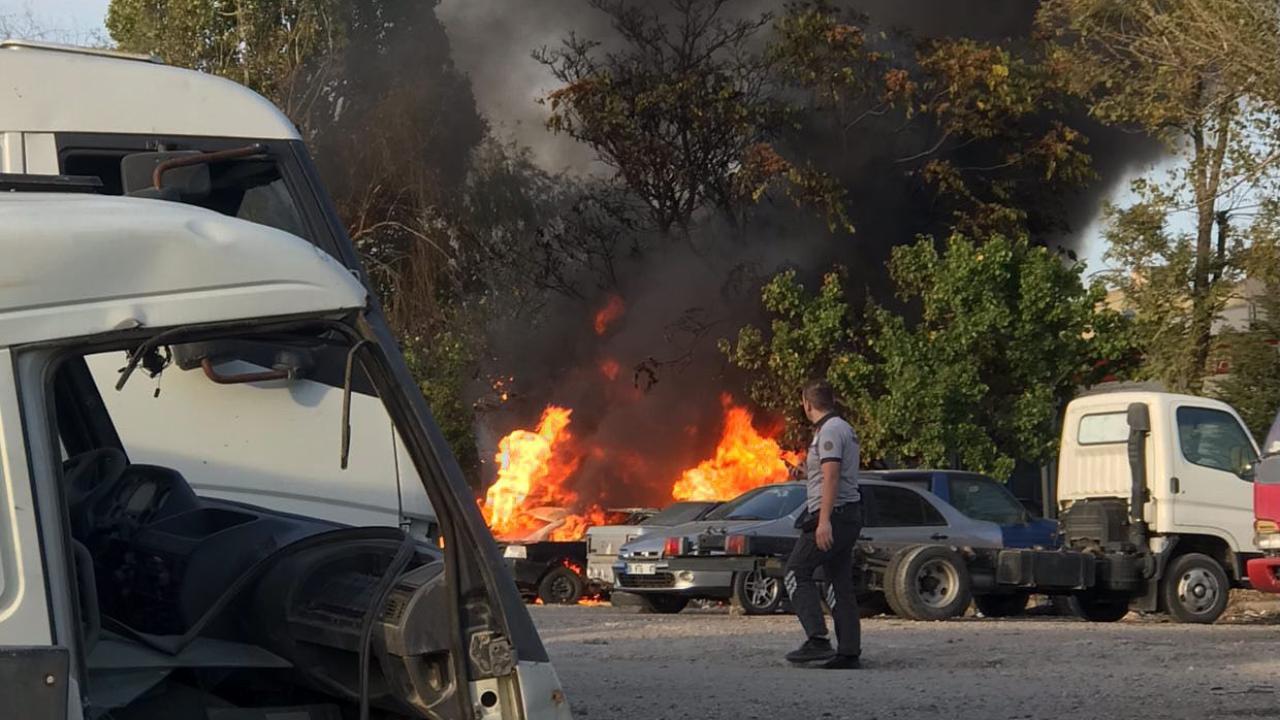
column 708, row 664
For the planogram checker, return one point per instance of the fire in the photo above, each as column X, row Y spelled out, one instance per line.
column 611, row 311
column 743, row 460
column 609, row 368
column 530, row 494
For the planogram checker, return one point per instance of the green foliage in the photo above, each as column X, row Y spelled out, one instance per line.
column 443, row 363
column 1161, row 67
column 1252, row 385
column 1006, row 333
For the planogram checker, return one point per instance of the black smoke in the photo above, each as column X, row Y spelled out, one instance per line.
column 662, row 412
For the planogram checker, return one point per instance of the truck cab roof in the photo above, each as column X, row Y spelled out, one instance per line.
column 54, row 88
column 76, row 265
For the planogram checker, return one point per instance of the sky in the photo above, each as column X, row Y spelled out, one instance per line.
column 84, row 19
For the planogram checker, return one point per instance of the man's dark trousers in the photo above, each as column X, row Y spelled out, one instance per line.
column 837, row 566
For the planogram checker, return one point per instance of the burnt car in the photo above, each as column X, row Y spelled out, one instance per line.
column 554, row 572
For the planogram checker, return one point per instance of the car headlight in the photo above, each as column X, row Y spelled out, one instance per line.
column 519, row 552
column 1270, row 541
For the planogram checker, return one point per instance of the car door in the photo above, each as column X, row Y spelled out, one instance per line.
column 901, row 515
column 1212, row 481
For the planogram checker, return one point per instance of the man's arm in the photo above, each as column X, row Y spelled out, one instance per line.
column 830, row 459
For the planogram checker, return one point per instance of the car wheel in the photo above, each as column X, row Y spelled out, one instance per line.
column 1100, row 608
column 561, row 586
column 1195, row 589
column 663, row 604
column 757, row 593
column 927, row 582
column 998, row 606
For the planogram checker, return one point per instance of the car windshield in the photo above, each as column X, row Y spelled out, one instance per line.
column 678, row 514
column 766, row 503
column 982, row 498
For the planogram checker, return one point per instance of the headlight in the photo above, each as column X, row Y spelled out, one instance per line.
column 1270, row 541
column 519, row 552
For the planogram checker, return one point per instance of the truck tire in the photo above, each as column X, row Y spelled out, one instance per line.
column 1002, row 605
column 756, row 593
column 1195, row 588
column 927, row 582
column 561, row 586
column 663, row 604
column 1100, row 608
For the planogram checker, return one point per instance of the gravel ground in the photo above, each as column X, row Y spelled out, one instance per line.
column 615, row 663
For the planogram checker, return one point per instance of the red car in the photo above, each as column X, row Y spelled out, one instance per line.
column 1264, row 572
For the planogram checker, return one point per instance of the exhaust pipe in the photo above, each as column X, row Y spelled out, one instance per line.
column 1139, row 417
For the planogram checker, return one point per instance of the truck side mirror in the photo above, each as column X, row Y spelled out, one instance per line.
column 191, row 182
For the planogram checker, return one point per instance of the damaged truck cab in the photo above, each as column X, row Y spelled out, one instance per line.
column 221, row 492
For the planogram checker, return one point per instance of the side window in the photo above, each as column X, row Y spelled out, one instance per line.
column 1103, row 429
column 1214, row 439
column 899, row 507
column 982, row 498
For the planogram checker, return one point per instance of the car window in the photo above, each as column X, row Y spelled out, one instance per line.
column 900, row 507
column 1103, row 428
column 677, row 514
column 766, row 503
column 1214, row 439
column 920, row 481
column 982, row 498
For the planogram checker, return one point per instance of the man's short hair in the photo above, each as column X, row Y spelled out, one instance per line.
column 820, row 395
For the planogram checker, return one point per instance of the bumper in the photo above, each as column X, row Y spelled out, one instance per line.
column 665, row 578
column 600, row 569
column 1263, row 574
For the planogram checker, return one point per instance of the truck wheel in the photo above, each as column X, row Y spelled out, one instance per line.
column 927, row 582
column 757, row 593
column 999, row 606
column 663, row 604
column 1195, row 588
column 561, row 586
column 1100, row 608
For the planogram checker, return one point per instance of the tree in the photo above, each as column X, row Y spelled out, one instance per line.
column 1007, row 332
column 1252, row 354
column 684, row 114
column 1144, row 64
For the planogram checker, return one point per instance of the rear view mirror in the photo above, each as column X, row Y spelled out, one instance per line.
column 279, row 362
column 184, row 183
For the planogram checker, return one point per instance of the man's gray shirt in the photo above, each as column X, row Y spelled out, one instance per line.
column 833, row 441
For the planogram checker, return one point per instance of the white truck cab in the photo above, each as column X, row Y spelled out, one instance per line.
column 1159, row 487
column 210, row 446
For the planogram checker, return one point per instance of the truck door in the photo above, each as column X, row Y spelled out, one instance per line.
column 1212, row 481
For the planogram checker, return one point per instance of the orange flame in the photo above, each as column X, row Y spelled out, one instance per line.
column 743, row 460
column 531, row 489
column 609, row 368
column 611, row 311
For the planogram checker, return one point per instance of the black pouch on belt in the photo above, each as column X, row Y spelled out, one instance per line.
column 807, row 522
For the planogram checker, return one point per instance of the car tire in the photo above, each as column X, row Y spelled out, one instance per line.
column 1002, row 605
column 1195, row 589
column 561, row 586
column 1100, row 608
column 662, row 604
column 927, row 582
column 757, row 594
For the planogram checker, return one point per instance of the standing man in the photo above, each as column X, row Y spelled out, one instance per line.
column 829, row 528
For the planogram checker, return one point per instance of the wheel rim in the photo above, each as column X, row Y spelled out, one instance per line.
column 761, row 591
column 561, row 589
column 1198, row 590
column 937, row 583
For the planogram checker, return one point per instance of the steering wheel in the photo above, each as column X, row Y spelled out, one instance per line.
column 87, row 478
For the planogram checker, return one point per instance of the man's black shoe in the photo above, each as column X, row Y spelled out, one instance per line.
column 812, row 650
column 842, row 662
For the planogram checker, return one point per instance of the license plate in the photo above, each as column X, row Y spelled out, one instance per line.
column 641, row 568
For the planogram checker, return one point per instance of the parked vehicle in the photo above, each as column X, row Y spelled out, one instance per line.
column 899, row 511
column 549, row 571
column 1264, row 572
column 179, row 311
column 1155, row 496
column 605, row 541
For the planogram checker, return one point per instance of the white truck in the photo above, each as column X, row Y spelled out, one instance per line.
column 221, row 493
column 1155, row 496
